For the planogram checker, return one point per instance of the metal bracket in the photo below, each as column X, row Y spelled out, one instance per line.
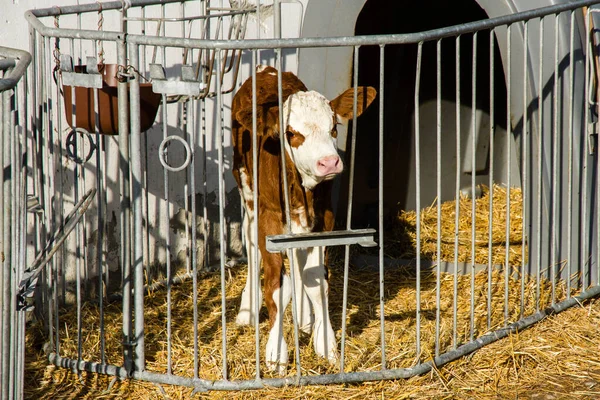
column 187, row 84
column 92, row 78
column 363, row 237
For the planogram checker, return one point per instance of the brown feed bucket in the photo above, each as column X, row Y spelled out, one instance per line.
column 83, row 108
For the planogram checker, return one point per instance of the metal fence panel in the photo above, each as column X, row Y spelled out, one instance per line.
column 507, row 103
column 13, row 120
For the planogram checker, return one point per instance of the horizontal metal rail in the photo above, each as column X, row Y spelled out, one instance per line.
column 249, row 44
column 10, row 80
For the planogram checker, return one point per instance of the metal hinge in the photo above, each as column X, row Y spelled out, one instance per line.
column 592, row 137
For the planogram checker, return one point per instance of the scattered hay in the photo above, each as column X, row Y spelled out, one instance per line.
column 363, row 334
column 556, row 355
column 402, row 243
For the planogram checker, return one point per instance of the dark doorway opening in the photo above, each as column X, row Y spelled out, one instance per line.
column 384, row 17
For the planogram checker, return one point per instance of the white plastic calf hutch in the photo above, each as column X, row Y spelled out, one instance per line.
column 472, row 95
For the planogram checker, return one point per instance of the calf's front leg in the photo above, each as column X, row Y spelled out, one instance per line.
column 278, row 291
column 317, row 289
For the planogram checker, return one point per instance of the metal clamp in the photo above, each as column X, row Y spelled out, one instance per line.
column 92, row 78
column 187, row 84
column 71, row 145
column 162, row 151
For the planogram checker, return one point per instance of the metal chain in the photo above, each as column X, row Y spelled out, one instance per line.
column 100, row 42
column 56, row 52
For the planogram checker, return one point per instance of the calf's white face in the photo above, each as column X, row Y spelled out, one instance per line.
column 311, row 137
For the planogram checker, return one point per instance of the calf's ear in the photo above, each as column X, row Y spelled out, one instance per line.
column 267, row 120
column 342, row 105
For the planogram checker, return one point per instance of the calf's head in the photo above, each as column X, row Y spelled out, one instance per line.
column 310, row 134
column 310, row 131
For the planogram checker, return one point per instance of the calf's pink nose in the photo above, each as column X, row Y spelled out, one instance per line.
column 329, row 165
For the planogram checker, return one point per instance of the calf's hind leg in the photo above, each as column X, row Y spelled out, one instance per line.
column 278, row 292
column 247, row 313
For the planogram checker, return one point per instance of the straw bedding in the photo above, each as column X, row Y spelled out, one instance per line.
column 557, row 355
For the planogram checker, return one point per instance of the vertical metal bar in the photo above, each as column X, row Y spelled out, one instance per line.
column 524, row 160
column 145, row 146
column 597, row 155
column 22, row 241
column 474, row 134
column 277, row 18
column 185, row 124
column 5, row 229
column 254, row 227
column 418, row 201
column 136, row 194
column 52, row 143
column 258, row 22
column 22, row 244
column 82, row 228
column 570, row 172
column 219, row 134
column 288, row 217
column 4, row 355
column 457, row 197
column 586, row 118
column 49, row 193
column 125, row 216
column 380, row 204
column 100, row 227
column 438, row 135
column 197, row 129
column 492, row 48
column 21, row 224
column 76, row 191
column 555, row 223
column 202, row 140
column 8, row 373
column 80, row 52
column 205, row 223
column 55, row 205
column 19, row 227
column 350, row 203
column 13, row 234
column 540, row 154
column 167, row 205
column 508, row 171
column 192, row 245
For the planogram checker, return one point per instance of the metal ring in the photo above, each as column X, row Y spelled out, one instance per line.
column 162, row 151
column 71, row 145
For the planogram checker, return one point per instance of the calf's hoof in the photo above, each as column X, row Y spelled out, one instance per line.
column 326, row 344
column 245, row 317
column 277, row 367
column 276, row 355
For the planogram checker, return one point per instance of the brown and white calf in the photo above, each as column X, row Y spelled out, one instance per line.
column 311, row 162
